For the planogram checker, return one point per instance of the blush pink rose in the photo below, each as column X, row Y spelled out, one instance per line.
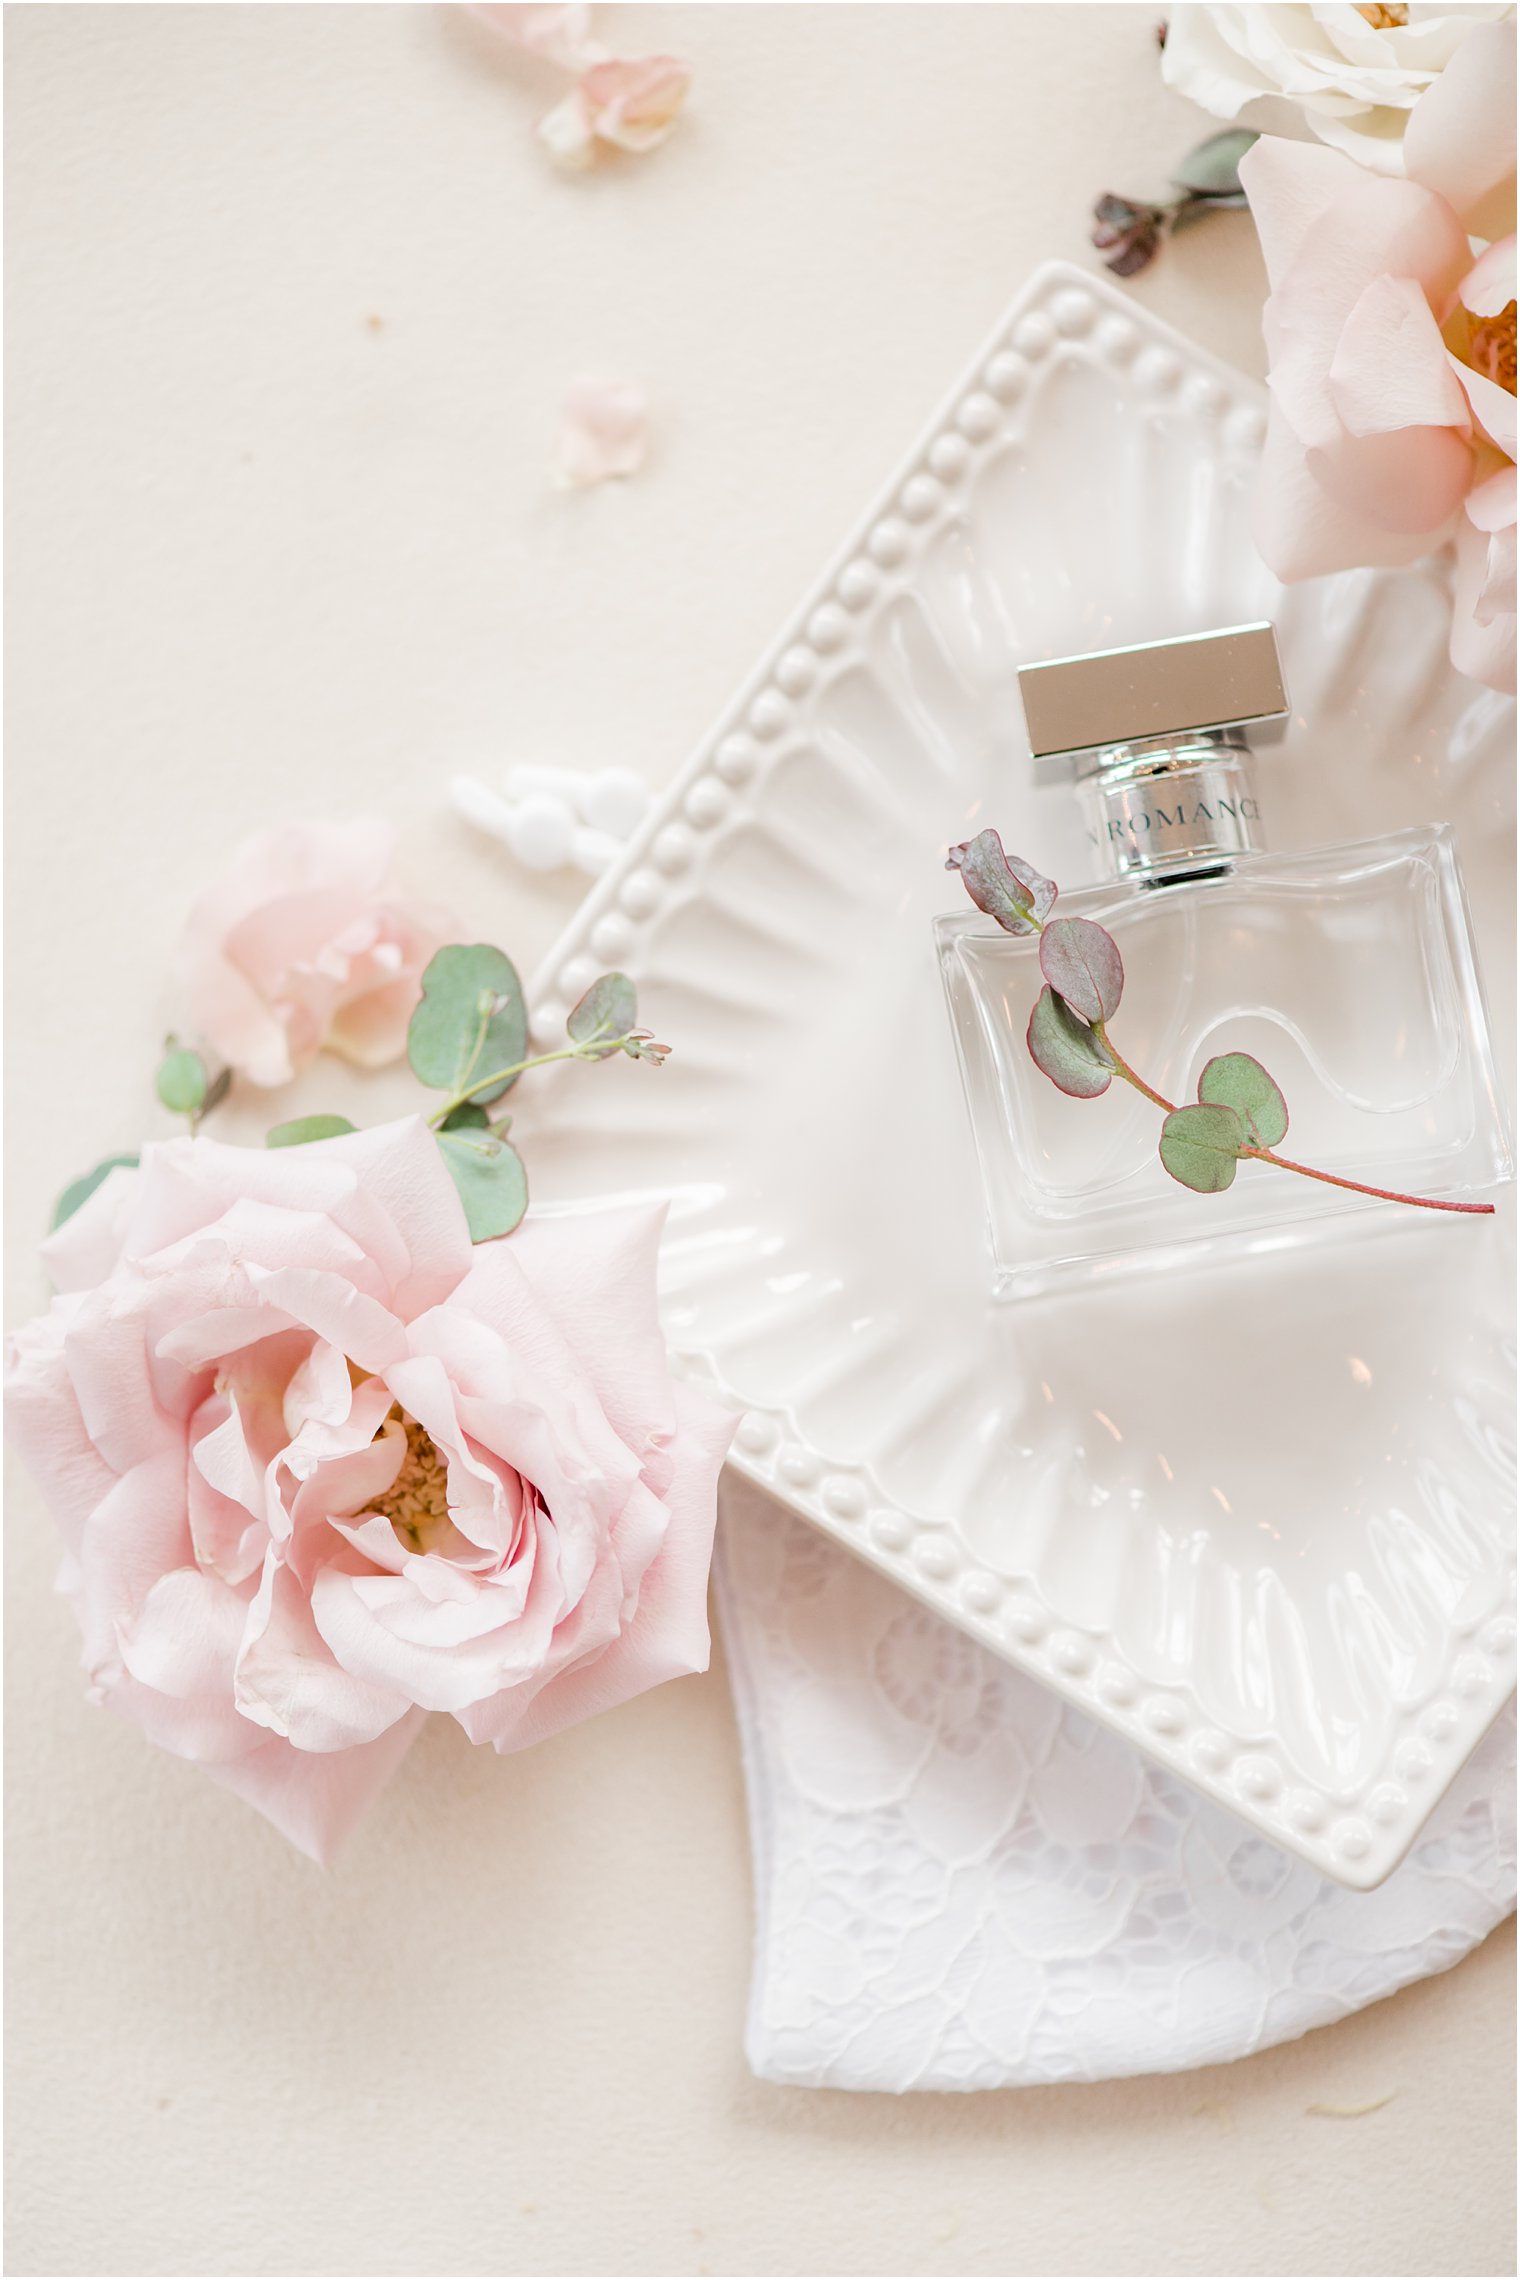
column 1392, row 354
column 321, row 1467
column 304, row 941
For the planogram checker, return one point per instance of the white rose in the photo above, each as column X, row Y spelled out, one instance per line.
column 1352, row 75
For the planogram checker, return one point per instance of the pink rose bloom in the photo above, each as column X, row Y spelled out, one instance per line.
column 320, row 1466
column 1392, row 353
column 304, row 942
column 628, row 102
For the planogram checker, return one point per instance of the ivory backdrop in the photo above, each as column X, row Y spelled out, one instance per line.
column 292, row 297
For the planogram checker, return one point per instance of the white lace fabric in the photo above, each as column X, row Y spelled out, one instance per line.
column 961, row 1884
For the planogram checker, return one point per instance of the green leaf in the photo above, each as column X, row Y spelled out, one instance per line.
column 492, row 1184
column 300, row 1129
column 1199, row 1146
column 469, row 1116
column 1081, row 962
column 609, row 1009
column 80, row 1191
column 1213, row 169
column 1241, row 1083
column 1006, row 888
column 1065, row 1049
column 463, row 985
column 181, row 1080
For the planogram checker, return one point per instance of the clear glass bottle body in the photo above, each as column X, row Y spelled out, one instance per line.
column 1349, row 973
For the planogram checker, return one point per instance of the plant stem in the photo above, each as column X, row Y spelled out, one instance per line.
column 594, row 1049
column 1360, row 1187
column 1123, row 1069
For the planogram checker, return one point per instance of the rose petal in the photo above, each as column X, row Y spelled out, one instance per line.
column 1304, row 531
column 559, row 34
column 1391, row 369
column 1460, row 140
column 1483, row 647
column 603, row 430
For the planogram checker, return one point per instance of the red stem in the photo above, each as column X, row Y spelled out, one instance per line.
column 1360, row 1187
column 1286, row 1163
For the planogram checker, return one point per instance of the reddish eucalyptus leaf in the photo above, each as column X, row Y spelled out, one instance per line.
column 1200, row 1145
column 1081, row 962
column 1006, row 888
column 1064, row 1049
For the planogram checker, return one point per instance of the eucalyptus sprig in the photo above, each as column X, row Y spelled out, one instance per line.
column 468, row 1039
column 1130, row 232
column 1240, row 1114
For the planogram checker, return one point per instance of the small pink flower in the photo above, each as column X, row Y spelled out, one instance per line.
column 1392, row 360
column 320, row 1466
column 627, row 102
column 604, row 430
column 303, row 942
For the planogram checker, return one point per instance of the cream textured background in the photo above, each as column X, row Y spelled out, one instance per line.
column 291, row 298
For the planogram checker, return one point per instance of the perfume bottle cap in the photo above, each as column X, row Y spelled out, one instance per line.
column 1197, row 683
column 1155, row 737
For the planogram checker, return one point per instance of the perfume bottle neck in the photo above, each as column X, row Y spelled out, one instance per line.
column 1170, row 807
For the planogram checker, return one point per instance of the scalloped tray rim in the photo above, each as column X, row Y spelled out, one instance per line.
column 1356, row 1845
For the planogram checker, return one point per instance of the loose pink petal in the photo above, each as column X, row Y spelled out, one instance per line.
column 627, row 103
column 560, row 34
column 1460, row 139
column 634, row 101
column 604, row 430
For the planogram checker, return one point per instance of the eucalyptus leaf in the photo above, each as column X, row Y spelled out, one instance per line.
column 1066, row 1050
column 300, row 1129
column 609, row 1009
column 1005, row 887
column 492, row 1183
column 1213, row 169
column 1200, row 1145
column 1081, row 962
column 469, row 1116
column 181, row 1080
column 1240, row 1082
column 80, row 1191
column 465, row 985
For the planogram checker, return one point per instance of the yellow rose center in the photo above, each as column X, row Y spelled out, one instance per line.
column 417, row 1503
column 1386, row 19
column 1491, row 347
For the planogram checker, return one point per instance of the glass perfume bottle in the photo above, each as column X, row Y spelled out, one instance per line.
column 1348, row 972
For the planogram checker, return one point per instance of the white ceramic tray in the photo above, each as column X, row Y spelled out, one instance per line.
column 1257, row 1518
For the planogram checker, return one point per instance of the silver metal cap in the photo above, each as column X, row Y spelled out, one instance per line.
column 1154, row 690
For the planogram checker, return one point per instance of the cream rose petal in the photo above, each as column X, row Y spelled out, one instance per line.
column 1460, row 140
